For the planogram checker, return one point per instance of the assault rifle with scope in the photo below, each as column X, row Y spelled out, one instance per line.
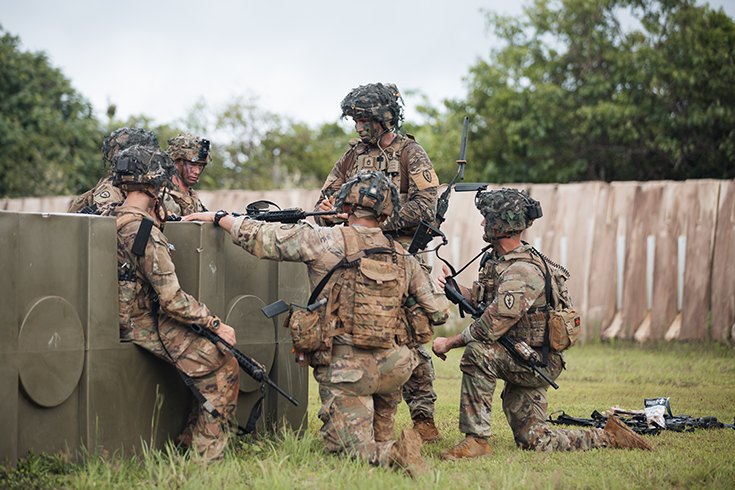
column 519, row 350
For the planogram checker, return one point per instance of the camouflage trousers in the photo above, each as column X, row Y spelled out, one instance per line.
column 215, row 375
column 357, row 388
column 524, row 400
column 418, row 392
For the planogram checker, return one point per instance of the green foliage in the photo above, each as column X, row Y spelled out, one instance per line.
column 574, row 96
column 49, row 138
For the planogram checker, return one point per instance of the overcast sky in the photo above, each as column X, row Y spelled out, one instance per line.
column 300, row 58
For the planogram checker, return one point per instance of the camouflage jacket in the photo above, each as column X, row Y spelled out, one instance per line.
column 321, row 248
column 180, row 204
column 104, row 194
column 414, row 177
column 154, row 274
column 510, row 285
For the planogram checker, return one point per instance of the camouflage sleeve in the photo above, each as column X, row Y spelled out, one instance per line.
column 106, row 193
column 518, row 288
column 301, row 242
column 334, row 181
column 434, row 304
column 160, row 273
column 422, row 191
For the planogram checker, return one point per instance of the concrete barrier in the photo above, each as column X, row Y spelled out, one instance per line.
column 68, row 381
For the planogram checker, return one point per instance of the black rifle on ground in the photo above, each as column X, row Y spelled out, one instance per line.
column 250, row 367
column 520, row 350
column 259, row 210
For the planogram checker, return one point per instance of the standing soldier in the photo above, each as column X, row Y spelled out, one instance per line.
column 512, row 282
column 155, row 313
column 377, row 110
column 102, row 196
column 360, row 278
column 191, row 154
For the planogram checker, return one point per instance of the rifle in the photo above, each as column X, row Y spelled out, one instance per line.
column 426, row 231
column 247, row 364
column 519, row 350
column 258, row 210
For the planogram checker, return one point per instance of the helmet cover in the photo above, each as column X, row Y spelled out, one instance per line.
column 382, row 102
column 508, row 211
column 123, row 138
column 189, row 147
column 370, row 190
column 137, row 167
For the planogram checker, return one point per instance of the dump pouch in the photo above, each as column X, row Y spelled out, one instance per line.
column 564, row 328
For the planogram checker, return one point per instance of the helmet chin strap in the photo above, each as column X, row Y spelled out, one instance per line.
column 159, row 210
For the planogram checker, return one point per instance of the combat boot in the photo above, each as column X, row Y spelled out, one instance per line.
column 427, row 429
column 471, row 447
column 406, row 453
column 623, row 436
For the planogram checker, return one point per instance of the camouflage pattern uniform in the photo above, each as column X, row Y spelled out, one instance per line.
column 163, row 328
column 180, row 204
column 408, row 166
column 104, row 196
column 357, row 382
column 513, row 287
column 185, row 147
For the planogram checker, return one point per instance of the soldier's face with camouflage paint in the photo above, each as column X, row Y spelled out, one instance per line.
column 189, row 171
column 368, row 129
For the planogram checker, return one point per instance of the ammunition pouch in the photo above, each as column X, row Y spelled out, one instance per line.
column 564, row 328
column 420, row 329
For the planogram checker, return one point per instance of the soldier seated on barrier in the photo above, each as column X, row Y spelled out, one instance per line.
column 155, row 313
column 355, row 337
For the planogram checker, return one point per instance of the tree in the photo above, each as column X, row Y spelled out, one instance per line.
column 576, row 95
column 49, row 137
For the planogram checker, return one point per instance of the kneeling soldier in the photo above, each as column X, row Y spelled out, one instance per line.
column 361, row 359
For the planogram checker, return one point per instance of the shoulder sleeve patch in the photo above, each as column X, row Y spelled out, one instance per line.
column 424, row 177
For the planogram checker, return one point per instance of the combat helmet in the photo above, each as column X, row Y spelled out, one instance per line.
column 189, row 147
column 379, row 101
column 507, row 211
column 123, row 138
column 370, row 190
column 135, row 168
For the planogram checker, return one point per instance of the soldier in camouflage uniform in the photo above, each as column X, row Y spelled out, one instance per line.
column 511, row 283
column 359, row 376
column 102, row 197
column 155, row 313
column 191, row 154
column 377, row 111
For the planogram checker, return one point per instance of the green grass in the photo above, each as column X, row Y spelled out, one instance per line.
column 699, row 378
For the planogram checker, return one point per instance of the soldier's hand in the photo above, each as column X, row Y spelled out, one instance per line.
column 227, row 333
column 328, row 205
column 442, row 277
column 209, row 216
column 440, row 347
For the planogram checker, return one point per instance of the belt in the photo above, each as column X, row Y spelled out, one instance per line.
column 345, row 350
